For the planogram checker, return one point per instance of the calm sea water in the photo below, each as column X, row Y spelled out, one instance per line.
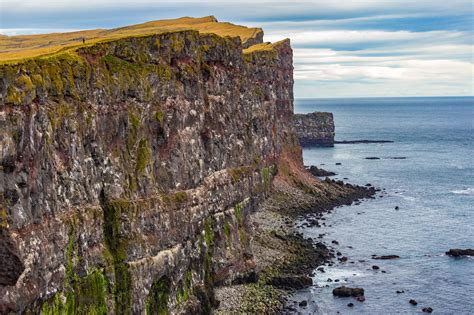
column 434, row 189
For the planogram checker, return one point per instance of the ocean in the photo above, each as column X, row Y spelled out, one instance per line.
column 433, row 188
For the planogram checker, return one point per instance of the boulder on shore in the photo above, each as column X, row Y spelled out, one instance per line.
column 346, row 291
column 291, row 282
column 319, row 172
column 457, row 252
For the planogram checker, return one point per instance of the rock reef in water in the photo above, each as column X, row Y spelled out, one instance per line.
column 130, row 165
column 456, row 252
column 315, row 129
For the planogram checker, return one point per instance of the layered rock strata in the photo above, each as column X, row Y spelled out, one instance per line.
column 129, row 168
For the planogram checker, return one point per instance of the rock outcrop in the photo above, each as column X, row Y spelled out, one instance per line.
column 129, row 167
column 315, row 129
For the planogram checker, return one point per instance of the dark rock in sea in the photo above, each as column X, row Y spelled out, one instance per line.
column 339, row 254
column 291, row 282
column 321, row 269
column 338, row 163
column 385, row 257
column 346, row 291
column 413, row 302
column 335, row 242
column 457, row 252
column 319, row 172
column 360, row 298
column 383, row 271
column 375, row 267
column 346, row 178
column 400, row 291
column 372, row 158
column 396, row 208
column 350, row 305
column 303, row 303
column 397, row 157
column 329, row 280
column 368, row 185
column 343, row 259
column 427, row 310
column 336, row 280
column 362, row 141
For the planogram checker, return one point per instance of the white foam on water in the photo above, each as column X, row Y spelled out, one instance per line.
column 321, row 279
column 468, row 191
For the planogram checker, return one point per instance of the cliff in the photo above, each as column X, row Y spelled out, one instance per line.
column 315, row 129
column 130, row 164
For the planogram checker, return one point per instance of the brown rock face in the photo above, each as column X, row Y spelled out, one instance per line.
column 315, row 129
column 129, row 168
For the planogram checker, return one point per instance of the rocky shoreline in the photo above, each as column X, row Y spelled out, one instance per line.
column 286, row 260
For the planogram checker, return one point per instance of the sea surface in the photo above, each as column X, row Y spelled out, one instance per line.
column 433, row 188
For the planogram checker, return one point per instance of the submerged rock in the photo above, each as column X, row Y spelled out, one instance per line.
column 385, row 257
column 427, row 310
column 413, row 302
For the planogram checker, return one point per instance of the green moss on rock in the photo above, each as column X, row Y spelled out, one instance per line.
column 117, row 247
column 158, row 298
column 143, row 156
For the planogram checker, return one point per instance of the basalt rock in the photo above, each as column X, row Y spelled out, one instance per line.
column 346, row 291
column 319, row 172
column 129, row 168
column 315, row 129
column 456, row 252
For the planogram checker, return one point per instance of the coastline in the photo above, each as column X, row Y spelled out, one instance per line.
column 285, row 260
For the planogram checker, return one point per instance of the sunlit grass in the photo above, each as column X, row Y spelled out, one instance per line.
column 14, row 48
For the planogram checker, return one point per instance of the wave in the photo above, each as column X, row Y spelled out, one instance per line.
column 468, row 191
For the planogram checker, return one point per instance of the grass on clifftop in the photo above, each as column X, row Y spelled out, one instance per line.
column 28, row 46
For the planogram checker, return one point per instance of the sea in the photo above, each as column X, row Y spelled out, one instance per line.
column 428, row 173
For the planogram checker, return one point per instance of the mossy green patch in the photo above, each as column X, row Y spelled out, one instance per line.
column 117, row 247
column 266, row 178
column 183, row 293
column 159, row 116
column 158, row 298
column 143, row 156
column 85, row 295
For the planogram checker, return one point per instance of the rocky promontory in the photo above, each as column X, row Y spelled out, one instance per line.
column 315, row 129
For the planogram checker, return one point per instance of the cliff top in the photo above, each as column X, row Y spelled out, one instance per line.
column 13, row 48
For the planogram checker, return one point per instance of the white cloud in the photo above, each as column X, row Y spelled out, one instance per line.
column 347, row 37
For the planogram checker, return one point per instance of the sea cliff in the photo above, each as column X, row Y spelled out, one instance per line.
column 130, row 167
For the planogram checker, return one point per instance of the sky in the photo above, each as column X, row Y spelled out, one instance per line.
column 342, row 48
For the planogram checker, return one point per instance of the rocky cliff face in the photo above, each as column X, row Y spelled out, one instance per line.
column 315, row 129
column 129, row 167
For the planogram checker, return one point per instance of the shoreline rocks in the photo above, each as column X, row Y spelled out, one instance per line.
column 319, row 172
